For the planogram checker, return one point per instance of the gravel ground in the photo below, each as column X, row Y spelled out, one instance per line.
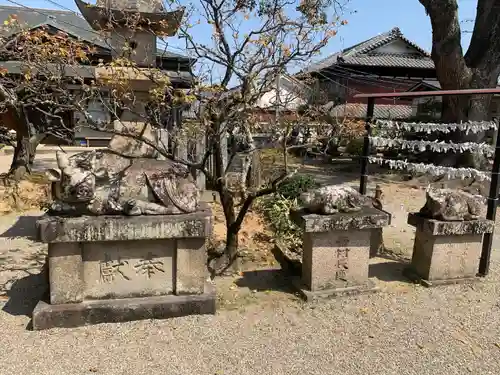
column 404, row 329
column 261, row 327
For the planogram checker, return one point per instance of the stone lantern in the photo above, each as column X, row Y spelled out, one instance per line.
column 132, row 26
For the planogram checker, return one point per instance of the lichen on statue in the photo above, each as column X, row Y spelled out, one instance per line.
column 452, row 205
column 332, row 199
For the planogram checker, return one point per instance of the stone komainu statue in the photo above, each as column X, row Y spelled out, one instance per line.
column 106, row 183
column 331, row 199
column 452, row 205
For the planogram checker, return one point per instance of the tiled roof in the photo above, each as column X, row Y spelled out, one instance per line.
column 87, row 71
column 382, row 111
column 362, row 54
column 66, row 21
column 392, row 60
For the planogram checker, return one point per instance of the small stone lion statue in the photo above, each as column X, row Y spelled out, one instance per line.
column 452, row 205
column 331, row 199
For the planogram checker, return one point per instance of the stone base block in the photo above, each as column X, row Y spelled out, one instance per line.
column 413, row 276
column 324, row 294
column 335, row 259
column 114, row 257
column 47, row 316
column 446, row 251
column 446, row 257
column 336, row 248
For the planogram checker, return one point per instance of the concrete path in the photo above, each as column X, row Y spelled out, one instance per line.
column 43, row 160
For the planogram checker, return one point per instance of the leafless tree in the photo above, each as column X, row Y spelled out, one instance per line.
column 253, row 43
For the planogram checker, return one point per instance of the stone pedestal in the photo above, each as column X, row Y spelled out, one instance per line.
column 336, row 252
column 446, row 252
column 116, row 268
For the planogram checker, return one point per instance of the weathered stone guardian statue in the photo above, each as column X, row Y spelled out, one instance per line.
column 452, row 205
column 106, row 183
column 448, row 237
column 331, row 199
column 338, row 226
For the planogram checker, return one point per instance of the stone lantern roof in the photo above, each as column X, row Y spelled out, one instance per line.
column 150, row 14
column 142, row 6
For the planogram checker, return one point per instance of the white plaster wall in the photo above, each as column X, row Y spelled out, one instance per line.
column 287, row 99
column 397, row 46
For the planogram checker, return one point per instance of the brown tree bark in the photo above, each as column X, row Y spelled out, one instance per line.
column 478, row 68
column 228, row 259
column 24, row 155
column 228, row 206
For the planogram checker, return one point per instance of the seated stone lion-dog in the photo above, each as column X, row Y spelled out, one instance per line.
column 105, row 183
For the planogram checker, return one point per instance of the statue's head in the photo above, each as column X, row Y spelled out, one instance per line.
column 75, row 180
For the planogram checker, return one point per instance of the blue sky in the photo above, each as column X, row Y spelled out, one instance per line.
column 372, row 17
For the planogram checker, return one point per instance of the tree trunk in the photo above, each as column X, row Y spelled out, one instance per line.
column 457, row 109
column 232, row 239
column 254, row 180
column 231, row 251
column 24, row 155
column 475, row 108
column 227, row 261
column 478, row 68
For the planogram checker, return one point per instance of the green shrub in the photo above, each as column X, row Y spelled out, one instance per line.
column 295, row 185
column 276, row 209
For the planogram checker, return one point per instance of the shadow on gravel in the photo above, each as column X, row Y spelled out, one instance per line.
column 25, row 226
column 388, row 271
column 25, row 293
column 263, row 280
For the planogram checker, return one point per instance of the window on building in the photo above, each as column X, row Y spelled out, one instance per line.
column 429, row 108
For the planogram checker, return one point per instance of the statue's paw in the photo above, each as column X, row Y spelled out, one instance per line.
column 351, row 209
column 114, row 207
column 329, row 210
column 55, row 207
column 452, row 218
column 95, row 207
column 131, row 208
column 471, row 217
column 58, row 207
